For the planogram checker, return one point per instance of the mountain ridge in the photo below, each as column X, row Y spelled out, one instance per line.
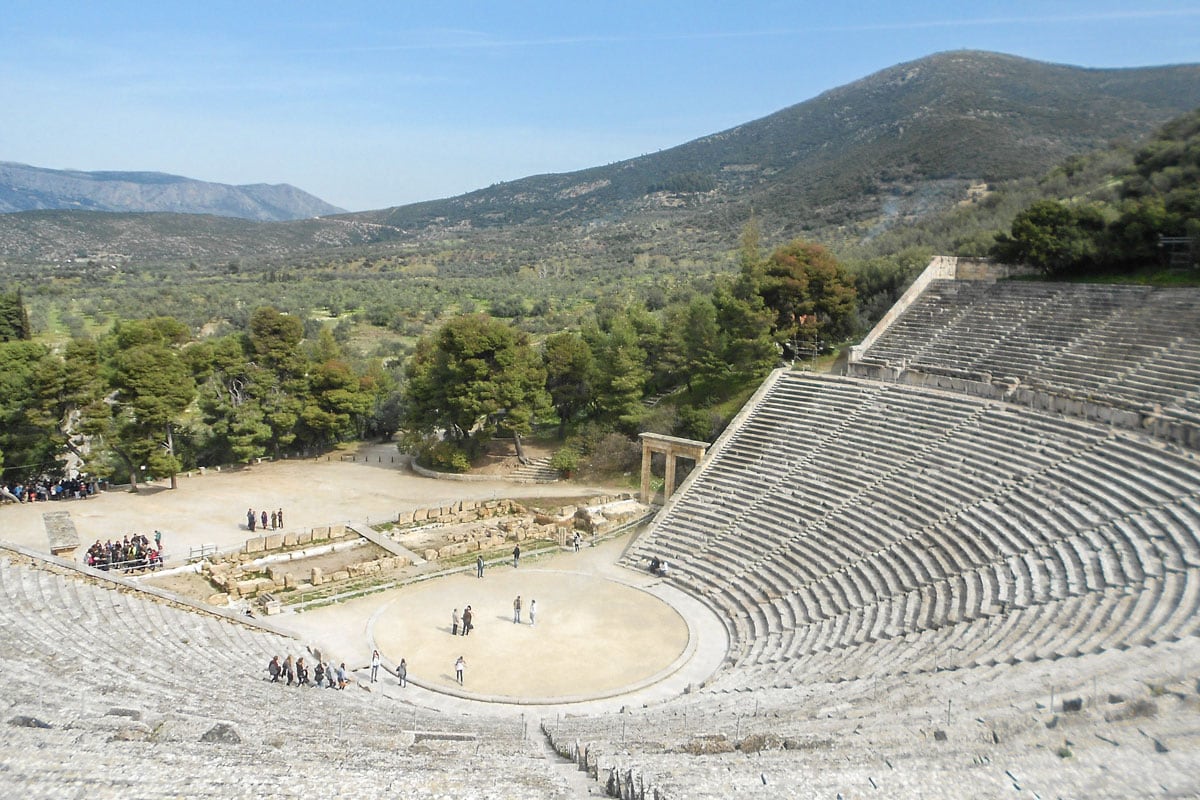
column 847, row 164
column 29, row 188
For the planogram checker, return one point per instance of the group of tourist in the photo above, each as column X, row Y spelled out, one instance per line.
column 517, row 611
column 466, row 623
column 41, row 491
column 296, row 671
column 131, row 553
column 268, row 521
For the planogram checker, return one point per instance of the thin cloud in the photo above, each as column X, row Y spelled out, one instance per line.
column 478, row 40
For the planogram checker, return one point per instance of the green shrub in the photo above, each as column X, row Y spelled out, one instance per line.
column 566, row 461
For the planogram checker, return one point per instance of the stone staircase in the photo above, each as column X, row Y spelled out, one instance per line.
column 536, row 471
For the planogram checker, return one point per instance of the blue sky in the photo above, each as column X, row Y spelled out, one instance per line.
column 369, row 105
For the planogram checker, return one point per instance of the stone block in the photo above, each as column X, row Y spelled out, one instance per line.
column 289, row 540
column 275, row 574
column 404, row 518
column 519, row 535
column 289, row 581
column 470, row 505
column 232, row 590
column 265, row 585
column 387, row 563
column 420, row 515
column 304, row 537
column 247, row 588
column 273, row 541
column 219, row 568
column 337, row 531
column 431, row 555
column 219, row 599
column 372, row 567
column 255, row 545
column 320, row 534
column 340, row 575
column 317, row 576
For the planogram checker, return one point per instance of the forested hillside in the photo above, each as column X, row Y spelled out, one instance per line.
column 453, row 341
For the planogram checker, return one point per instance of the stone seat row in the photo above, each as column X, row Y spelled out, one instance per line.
column 1135, row 346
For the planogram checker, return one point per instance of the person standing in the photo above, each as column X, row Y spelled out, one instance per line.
column 288, row 670
column 250, row 519
column 454, row 623
column 274, row 520
column 578, row 539
column 341, row 675
column 279, row 514
column 264, row 519
column 479, row 566
column 517, row 610
column 274, row 670
column 402, row 673
column 468, row 620
column 516, row 556
column 532, row 612
column 158, row 540
column 375, row 666
column 459, row 666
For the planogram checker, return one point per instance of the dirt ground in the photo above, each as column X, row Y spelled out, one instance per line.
column 596, row 631
column 210, row 509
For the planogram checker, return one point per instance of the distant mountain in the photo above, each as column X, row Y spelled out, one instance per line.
column 884, row 150
column 26, row 188
column 883, row 145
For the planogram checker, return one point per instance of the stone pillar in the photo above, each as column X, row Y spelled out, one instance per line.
column 669, row 479
column 647, row 454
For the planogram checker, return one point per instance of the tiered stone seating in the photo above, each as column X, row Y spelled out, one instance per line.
column 919, row 515
column 129, row 685
column 1134, row 347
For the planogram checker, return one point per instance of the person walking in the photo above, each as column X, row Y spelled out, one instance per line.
column 274, row 669
column 341, row 675
column 532, row 612
column 375, row 666
column 454, row 623
column 288, row 670
column 517, row 610
column 468, row 620
column 459, row 666
column 578, row 539
column 402, row 673
column 479, row 566
column 516, row 556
